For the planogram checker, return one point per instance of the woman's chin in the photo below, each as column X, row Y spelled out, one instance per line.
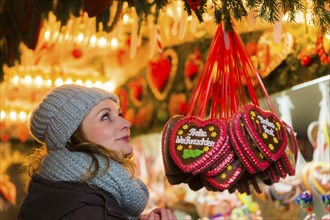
column 129, row 156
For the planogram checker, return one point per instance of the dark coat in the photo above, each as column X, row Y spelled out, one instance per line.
column 48, row 200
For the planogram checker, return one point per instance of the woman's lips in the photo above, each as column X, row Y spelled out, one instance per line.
column 125, row 138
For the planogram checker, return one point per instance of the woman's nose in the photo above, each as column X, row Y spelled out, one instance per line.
column 127, row 123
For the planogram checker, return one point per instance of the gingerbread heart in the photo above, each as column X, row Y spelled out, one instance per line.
column 272, row 176
column 196, row 143
column 161, row 72
column 173, row 173
column 288, row 160
column 245, row 146
column 228, row 177
column 266, row 131
column 292, row 140
column 222, row 163
column 137, row 90
column 280, row 168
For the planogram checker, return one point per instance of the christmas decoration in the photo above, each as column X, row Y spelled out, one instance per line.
column 193, row 67
column 230, row 137
column 161, row 73
column 305, row 202
column 21, row 22
column 137, row 90
column 271, row 54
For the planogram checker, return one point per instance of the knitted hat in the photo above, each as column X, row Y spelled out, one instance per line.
column 61, row 112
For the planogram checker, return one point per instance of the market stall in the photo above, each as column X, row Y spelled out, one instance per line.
column 218, row 62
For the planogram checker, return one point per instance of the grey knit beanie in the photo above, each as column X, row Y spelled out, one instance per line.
column 61, row 112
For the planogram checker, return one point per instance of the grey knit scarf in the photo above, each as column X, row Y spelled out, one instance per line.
column 64, row 165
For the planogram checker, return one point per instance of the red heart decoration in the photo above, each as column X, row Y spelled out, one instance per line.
column 266, row 130
column 193, row 67
column 161, row 73
column 137, row 89
column 195, row 143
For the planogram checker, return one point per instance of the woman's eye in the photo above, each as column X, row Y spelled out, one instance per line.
column 106, row 116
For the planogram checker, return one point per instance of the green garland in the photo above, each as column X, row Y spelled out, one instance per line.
column 12, row 32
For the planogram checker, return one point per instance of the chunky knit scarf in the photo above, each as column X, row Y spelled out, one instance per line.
column 64, row 165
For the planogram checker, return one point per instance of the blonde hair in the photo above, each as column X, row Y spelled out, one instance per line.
column 77, row 142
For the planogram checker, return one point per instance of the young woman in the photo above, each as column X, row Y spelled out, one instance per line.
column 84, row 168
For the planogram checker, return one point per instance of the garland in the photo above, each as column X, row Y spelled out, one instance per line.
column 15, row 23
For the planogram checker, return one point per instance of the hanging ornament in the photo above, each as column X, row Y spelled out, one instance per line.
column 321, row 49
column 76, row 53
column 5, row 137
column 137, row 90
column 305, row 200
column 230, row 137
column 193, row 67
column 161, row 72
column 271, row 54
column 23, row 132
column 177, row 104
column 306, row 61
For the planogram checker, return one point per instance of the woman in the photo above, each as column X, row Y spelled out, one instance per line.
column 84, row 169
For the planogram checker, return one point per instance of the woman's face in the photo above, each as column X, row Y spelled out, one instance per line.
column 104, row 125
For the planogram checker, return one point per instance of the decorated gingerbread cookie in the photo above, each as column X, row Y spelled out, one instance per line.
column 238, row 149
column 292, row 140
column 173, row 173
column 222, row 163
column 266, row 130
column 273, row 177
column 228, row 177
column 247, row 146
column 195, row 183
column 280, row 168
column 195, row 143
column 288, row 160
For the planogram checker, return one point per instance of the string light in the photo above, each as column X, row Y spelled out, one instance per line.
column 16, row 114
